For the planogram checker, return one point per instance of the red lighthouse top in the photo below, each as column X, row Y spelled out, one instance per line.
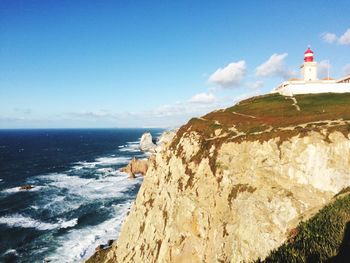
column 308, row 55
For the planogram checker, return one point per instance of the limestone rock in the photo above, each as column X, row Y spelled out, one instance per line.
column 26, row 187
column 258, row 194
column 146, row 143
column 110, row 242
column 99, row 247
column 166, row 137
column 136, row 166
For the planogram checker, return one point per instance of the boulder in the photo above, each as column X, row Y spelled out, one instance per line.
column 146, row 143
column 136, row 166
column 26, row 187
column 110, row 242
column 99, row 247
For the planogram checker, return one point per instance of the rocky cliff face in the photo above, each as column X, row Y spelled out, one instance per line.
column 230, row 186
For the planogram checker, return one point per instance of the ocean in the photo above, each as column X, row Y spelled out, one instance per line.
column 79, row 199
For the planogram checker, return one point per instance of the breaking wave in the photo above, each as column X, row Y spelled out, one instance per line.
column 18, row 220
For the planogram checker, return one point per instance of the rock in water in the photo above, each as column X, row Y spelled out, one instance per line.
column 146, row 143
column 110, row 242
column 26, row 187
column 136, row 166
column 99, row 247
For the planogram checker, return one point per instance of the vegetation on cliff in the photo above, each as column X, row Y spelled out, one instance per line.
column 265, row 117
column 323, row 238
column 273, row 115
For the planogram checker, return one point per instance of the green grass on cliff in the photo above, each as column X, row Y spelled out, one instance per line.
column 265, row 117
column 249, row 119
column 323, row 238
column 279, row 111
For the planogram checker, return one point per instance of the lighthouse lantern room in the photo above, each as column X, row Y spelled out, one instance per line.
column 309, row 67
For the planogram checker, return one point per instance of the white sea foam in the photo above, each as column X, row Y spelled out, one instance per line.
column 91, row 188
column 58, row 203
column 62, row 192
column 133, row 147
column 108, row 172
column 18, row 220
column 35, row 207
column 17, row 189
column 11, row 251
column 74, row 248
column 103, row 161
column 105, row 170
column 112, row 160
column 1, row 180
column 66, row 224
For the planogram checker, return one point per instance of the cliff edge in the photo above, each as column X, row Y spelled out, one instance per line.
column 232, row 185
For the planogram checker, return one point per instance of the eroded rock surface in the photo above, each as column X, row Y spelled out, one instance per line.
column 146, row 143
column 136, row 166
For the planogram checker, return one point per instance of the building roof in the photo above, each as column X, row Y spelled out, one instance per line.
column 308, row 51
column 344, row 78
column 328, row 78
column 294, row 79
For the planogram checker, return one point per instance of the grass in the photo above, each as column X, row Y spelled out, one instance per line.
column 263, row 118
column 323, row 238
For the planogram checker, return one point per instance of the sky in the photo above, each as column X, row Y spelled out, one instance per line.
column 127, row 63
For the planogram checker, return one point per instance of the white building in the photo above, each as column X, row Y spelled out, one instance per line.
column 310, row 83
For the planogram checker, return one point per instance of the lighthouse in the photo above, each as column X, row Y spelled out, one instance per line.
column 309, row 83
column 309, row 67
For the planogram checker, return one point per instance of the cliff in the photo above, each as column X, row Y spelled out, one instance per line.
column 232, row 185
column 323, row 238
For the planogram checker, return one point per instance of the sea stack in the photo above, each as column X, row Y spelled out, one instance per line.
column 146, row 143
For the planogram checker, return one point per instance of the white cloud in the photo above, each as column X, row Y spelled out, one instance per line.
column 229, row 76
column 345, row 38
column 99, row 114
column 329, row 37
column 274, row 66
column 203, row 98
column 322, row 68
column 346, row 69
column 332, row 38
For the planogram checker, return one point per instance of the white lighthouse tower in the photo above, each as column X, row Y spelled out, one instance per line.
column 309, row 68
column 310, row 83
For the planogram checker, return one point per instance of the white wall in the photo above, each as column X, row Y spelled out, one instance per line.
column 311, row 88
column 309, row 71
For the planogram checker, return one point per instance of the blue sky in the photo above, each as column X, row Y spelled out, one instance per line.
column 154, row 63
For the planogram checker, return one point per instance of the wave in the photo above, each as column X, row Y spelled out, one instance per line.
column 132, row 147
column 74, row 248
column 11, row 251
column 65, row 199
column 18, row 220
column 112, row 160
column 17, row 189
column 108, row 172
column 91, row 188
column 102, row 161
column 69, row 223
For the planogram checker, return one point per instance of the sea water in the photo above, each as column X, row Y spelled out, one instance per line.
column 79, row 198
